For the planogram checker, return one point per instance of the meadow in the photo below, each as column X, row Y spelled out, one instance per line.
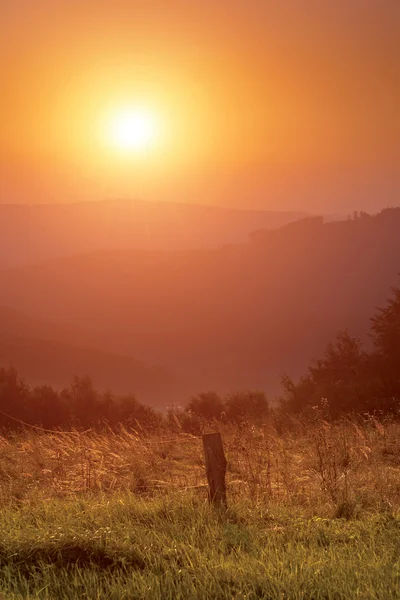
column 313, row 513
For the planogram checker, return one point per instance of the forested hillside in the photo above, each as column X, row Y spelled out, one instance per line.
column 234, row 317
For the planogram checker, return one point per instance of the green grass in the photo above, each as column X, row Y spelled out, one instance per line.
column 177, row 547
column 314, row 513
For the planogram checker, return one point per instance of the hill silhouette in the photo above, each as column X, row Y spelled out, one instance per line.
column 32, row 347
column 232, row 317
column 33, row 233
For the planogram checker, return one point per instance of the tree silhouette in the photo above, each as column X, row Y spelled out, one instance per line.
column 385, row 333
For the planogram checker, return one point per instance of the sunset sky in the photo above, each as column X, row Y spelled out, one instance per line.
column 289, row 104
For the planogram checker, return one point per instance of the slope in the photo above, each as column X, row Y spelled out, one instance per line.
column 30, row 234
column 32, row 347
column 236, row 316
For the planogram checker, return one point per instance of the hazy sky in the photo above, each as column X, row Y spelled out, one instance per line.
column 291, row 104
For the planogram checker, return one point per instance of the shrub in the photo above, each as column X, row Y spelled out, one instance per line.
column 242, row 406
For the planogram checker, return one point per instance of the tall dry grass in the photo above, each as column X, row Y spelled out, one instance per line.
column 336, row 468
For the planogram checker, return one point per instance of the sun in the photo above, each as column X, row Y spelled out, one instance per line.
column 133, row 130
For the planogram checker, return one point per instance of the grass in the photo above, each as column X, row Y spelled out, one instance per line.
column 313, row 513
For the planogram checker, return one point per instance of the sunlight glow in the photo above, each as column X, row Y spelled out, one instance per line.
column 133, row 130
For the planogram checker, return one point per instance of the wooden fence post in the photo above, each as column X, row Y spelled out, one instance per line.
column 215, row 467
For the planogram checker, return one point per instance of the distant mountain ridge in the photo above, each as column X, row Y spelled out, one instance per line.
column 225, row 318
column 34, row 233
column 35, row 349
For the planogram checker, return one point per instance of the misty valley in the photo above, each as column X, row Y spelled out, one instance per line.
column 166, row 323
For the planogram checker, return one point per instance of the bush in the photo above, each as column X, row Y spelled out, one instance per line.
column 242, row 406
column 207, row 405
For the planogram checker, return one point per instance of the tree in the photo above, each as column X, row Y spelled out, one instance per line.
column 47, row 408
column 242, row 406
column 385, row 333
column 13, row 396
column 386, row 328
column 83, row 400
column 339, row 380
column 128, row 410
column 207, row 405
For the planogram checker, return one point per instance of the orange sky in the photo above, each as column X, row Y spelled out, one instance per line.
column 257, row 97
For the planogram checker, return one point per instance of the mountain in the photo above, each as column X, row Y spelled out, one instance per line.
column 30, row 346
column 14, row 323
column 33, row 233
column 232, row 317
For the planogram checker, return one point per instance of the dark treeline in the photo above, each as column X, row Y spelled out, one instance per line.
column 81, row 406
column 78, row 406
column 347, row 379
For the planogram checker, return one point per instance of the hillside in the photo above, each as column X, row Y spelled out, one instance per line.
column 30, row 234
column 236, row 316
column 15, row 323
column 32, row 347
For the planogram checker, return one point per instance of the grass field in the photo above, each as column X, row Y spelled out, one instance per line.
column 313, row 513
